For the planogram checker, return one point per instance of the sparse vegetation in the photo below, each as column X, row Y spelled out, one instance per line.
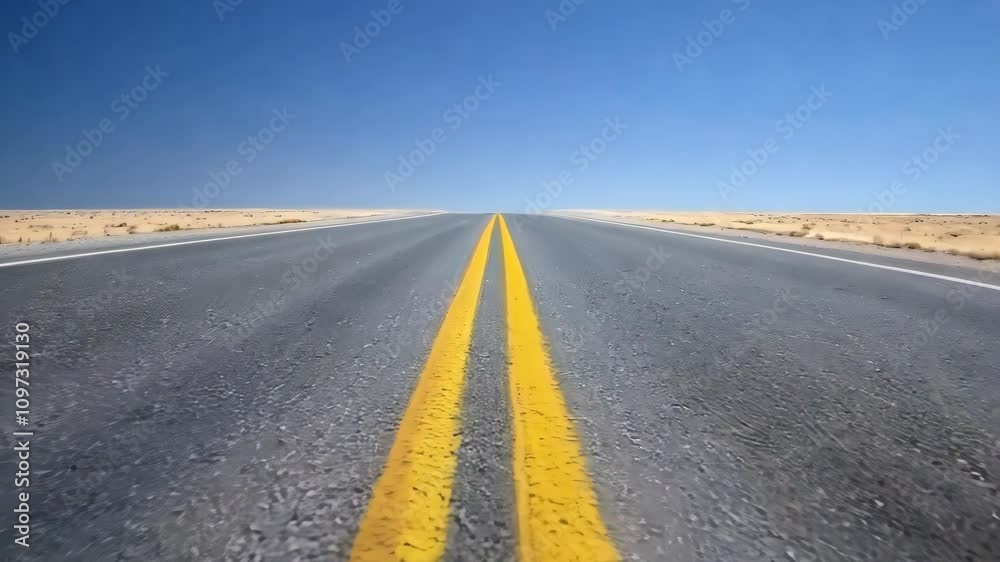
column 982, row 254
column 878, row 240
column 706, row 224
column 757, row 230
column 169, row 228
column 914, row 245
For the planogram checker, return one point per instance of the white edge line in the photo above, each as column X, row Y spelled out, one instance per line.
column 789, row 250
column 204, row 240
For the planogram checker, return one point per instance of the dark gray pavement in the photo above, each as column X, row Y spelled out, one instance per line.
column 741, row 403
column 235, row 400
column 227, row 400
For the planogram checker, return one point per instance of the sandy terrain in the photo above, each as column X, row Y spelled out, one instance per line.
column 55, row 226
column 976, row 236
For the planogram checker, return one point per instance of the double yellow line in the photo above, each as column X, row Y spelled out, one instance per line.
column 557, row 514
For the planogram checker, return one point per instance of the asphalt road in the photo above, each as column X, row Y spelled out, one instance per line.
column 600, row 392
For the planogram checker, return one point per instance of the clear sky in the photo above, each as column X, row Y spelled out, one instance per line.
column 923, row 84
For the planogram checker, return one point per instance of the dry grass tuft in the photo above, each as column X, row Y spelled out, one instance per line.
column 878, row 240
column 982, row 254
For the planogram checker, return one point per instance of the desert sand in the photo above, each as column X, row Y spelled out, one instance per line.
column 976, row 236
column 23, row 227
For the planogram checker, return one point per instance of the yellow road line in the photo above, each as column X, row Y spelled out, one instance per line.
column 557, row 514
column 407, row 517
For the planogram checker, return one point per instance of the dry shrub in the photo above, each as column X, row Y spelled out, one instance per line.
column 982, row 254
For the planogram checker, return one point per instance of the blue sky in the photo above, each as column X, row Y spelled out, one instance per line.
column 557, row 80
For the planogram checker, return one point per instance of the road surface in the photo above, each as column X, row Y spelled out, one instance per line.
column 534, row 388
